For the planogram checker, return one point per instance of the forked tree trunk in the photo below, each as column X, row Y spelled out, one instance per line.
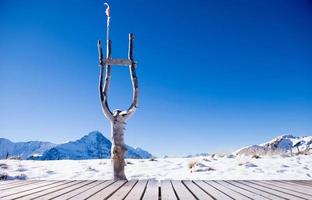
column 117, row 118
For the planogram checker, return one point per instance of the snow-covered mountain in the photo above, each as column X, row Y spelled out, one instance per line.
column 137, row 153
column 23, row 149
column 282, row 144
column 92, row 146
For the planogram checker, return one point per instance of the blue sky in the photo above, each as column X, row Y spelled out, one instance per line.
column 213, row 75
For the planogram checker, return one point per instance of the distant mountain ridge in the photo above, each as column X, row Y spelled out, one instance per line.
column 279, row 145
column 23, row 149
column 92, row 146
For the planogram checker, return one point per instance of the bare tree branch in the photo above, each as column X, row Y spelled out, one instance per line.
column 103, row 91
column 134, row 80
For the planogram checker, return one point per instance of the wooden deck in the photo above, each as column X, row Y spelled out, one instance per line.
column 151, row 189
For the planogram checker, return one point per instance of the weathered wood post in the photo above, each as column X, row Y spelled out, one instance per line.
column 117, row 118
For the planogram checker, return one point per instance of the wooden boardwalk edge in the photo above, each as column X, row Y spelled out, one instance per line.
column 153, row 189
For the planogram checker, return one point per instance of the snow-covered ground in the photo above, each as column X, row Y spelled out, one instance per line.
column 209, row 167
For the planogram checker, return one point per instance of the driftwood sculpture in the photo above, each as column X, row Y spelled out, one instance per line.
column 117, row 118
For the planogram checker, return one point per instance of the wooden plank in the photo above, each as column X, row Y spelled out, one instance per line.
column 181, row 191
column 231, row 193
column 137, row 192
column 25, row 188
column 242, row 191
column 117, row 62
column 217, row 194
column 296, row 188
column 306, row 181
column 296, row 185
column 30, row 192
column 269, row 190
column 13, row 182
column 255, row 191
column 34, row 194
column 108, row 191
column 88, row 193
column 151, row 191
column 4, row 182
column 286, row 191
column 123, row 191
column 17, row 184
column 64, row 190
column 79, row 190
column 300, row 182
column 166, row 190
column 197, row 191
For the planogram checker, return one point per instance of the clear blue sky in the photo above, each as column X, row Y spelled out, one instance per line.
column 213, row 75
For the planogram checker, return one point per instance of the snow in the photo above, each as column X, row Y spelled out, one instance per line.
column 214, row 167
column 274, row 160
